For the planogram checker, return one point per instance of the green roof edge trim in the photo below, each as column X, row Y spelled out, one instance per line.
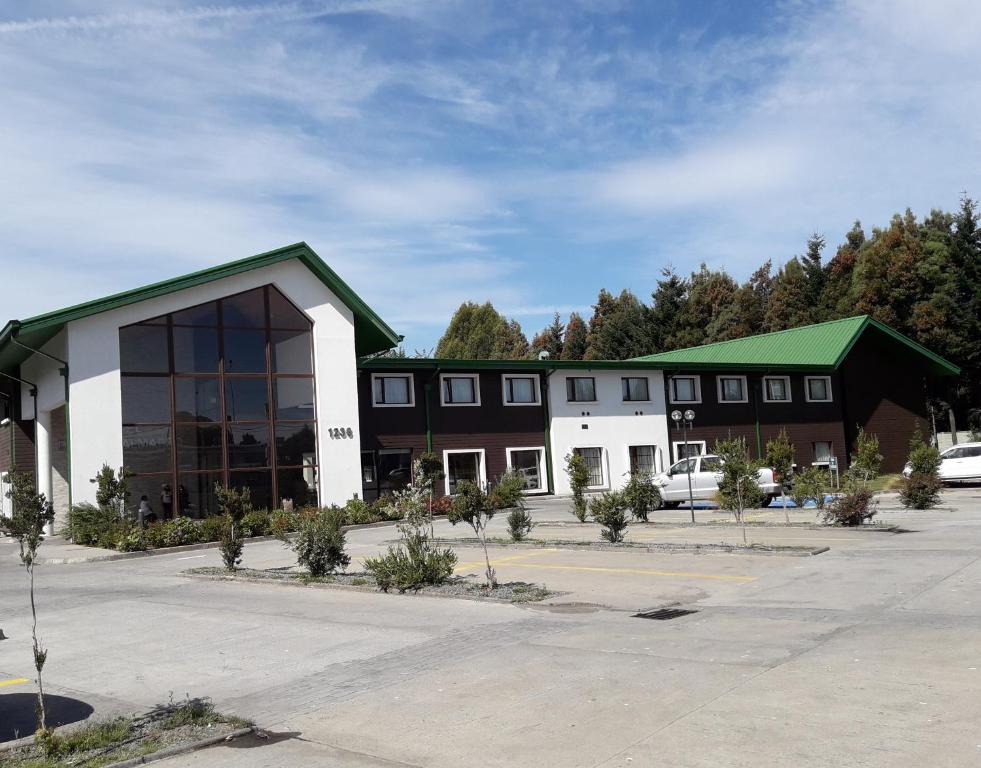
column 372, row 334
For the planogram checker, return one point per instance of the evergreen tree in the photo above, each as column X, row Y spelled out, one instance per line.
column 666, row 311
column 574, row 339
column 480, row 332
column 549, row 339
column 617, row 330
column 709, row 314
column 789, row 306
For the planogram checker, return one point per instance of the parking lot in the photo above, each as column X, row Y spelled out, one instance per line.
column 867, row 654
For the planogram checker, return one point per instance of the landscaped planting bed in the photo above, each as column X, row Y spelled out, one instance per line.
column 660, row 548
column 106, row 742
column 509, row 592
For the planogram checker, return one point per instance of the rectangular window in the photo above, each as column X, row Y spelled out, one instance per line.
column 520, row 390
column 463, row 466
column 580, row 389
column 818, row 389
column 594, row 461
column 685, row 389
column 460, row 389
column 776, row 389
column 642, row 459
column 694, row 448
column 822, row 452
column 527, row 462
column 392, row 390
column 732, row 389
column 635, row 389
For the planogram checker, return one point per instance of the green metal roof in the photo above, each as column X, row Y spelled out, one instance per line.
column 823, row 346
column 448, row 364
column 371, row 333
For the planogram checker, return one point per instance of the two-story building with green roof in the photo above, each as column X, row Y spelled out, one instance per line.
column 259, row 373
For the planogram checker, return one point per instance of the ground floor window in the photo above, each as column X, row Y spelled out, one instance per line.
column 822, row 452
column 642, row 459
column 528, row 462
column 463, row 465
column 385, row 471
column 695, row 448
column 594, row 462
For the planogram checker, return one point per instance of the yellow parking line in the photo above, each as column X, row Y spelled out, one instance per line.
column 642, row 571
column 14, row 681
column 512, row 558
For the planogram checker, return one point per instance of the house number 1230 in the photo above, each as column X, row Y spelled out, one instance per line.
column 340, row 433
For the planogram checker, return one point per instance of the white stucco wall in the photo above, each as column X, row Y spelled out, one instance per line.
column 613, row 425
column 96, row 408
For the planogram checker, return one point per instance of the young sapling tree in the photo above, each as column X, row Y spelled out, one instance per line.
column 866, row 461
column 578, row 472
column 780, row 458
column 31, row 513
column 235, row 504
column 739, row 489
column 473, row 507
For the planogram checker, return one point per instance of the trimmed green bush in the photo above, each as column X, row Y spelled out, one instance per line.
column 852, row 508
column 610, row 511
column 93, row 526
column 213, row 527
column 921, row 490
column 181, row 531
column 319, row 541
column 641, row 495
column 412, row 566
column 519, row 523
column 578, row 472
column 360, row 512
column 810, row 483
column 256, row 523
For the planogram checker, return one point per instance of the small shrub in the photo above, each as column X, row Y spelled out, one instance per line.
column 92, row 526
column 256, row 523
column 519, row 523
column 854, row 507
column 507, row 492
column 642, row 495
column 413, row 565
column 810, row 483
column 181, row 531
column 319, row 541
column 920, row 491
column 610, row 511
column 154, row 535
column 442, row 505
column 213, row 527
column 282, row 522
column 131, row 541
column 578, row 472
column 235, row 504
column 866, row 462
column 474, row 507
column 360, row 512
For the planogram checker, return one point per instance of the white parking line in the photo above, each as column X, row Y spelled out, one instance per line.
column 191, row 557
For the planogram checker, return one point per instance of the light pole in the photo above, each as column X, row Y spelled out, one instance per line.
column 684, row 421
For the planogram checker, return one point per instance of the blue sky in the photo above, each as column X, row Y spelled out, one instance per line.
column 527, row 153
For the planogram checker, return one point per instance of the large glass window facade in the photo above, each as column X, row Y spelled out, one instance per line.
column 221, row 392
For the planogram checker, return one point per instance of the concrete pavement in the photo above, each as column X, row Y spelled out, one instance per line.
column 867, row 655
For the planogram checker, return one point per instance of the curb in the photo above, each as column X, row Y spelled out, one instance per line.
column 654, row 549
column 181, row 749
column 189, row 547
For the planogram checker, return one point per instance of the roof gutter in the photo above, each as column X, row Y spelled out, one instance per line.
column 63, row 370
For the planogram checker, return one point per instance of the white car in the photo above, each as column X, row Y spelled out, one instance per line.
column 706, row 471
column 958, row 464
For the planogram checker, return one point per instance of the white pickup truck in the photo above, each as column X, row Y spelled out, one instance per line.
column 706, row 471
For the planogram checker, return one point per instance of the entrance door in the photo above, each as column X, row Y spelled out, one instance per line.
column 462, row 466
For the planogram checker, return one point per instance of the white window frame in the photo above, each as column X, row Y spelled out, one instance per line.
column 604, row 465
column 718, row 389
column 677, row 445
column 412, row 390
column 645, row 378
column 595, row 392
column 475, row 377
column 807, row 389
column 537, row 385
column 541, row 467
column 786, row 381
column 446, row 464
column 698, row 390
column 654, row 469
column 831, row 450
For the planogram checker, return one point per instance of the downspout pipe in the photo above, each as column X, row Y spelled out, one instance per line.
column 547, row 413
column 427, row 389
column 33, row 391
column 63, row 370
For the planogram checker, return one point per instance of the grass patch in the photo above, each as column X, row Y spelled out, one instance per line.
column 102, row 742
